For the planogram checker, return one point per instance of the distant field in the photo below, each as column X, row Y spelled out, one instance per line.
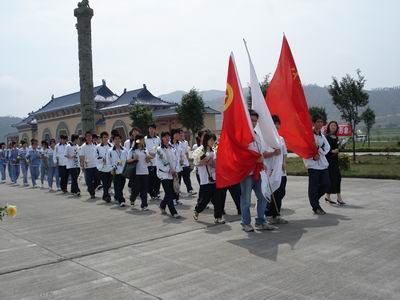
column 385, row 134
column 368, row 166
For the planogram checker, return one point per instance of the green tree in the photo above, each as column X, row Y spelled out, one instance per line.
column 368, row 116
column 264, row 87
column 191, row 111
column 349, row 96
column 318, row 110
column 141, row 117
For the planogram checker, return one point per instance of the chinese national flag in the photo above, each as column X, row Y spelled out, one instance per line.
column 285, row 98
column 234, row 159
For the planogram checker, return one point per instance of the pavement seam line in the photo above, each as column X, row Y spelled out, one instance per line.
column 116, row 279
column 63, row 258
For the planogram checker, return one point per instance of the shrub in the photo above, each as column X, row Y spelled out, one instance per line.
column 344, row 162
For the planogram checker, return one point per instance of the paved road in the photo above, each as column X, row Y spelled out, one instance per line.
column 61, row 247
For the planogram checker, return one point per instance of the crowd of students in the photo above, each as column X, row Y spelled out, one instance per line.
column 104, row 161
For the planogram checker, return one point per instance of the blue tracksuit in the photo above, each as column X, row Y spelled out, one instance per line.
column 13, row 159
column 3, row 164
column 34, row 164
column 23, row 164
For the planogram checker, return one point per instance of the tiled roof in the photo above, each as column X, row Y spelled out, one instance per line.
column 169, row 112
column 101, row 93
column 139, row 96
column 27, row 121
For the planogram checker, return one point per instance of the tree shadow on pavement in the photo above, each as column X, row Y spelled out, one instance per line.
column 266, row 244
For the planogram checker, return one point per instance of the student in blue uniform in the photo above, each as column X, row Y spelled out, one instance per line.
column 23, row 163
column 43, row 163
column 52, row 168
column 3, row 162
column 34, row 161
column 14, row 164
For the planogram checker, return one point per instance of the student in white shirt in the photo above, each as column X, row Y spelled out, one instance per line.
column 318, row 174
column 248, row 184
column 273, row 211
column 152, row 142
column 206, row 168
column 141, row 183
column 60, row 161
column 116, row 158
column 72, row 164
column 166, row 171
column 88, row 161
column 44, row 166
column 179, row 156
column 185, row 173
column 129, row 143
column 102, row 166
column 52, row 170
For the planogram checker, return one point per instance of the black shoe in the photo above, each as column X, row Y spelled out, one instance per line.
column 319, row 211
column 92, row 197
column 341, row 202
column 329, row 201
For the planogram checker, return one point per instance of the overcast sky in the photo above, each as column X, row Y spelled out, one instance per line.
column 179, row 44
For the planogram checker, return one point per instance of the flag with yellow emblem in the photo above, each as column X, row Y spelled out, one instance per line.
column 234, row 159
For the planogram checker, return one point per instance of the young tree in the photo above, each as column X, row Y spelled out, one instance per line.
column 318, row 110
column 141, row 117
column 263, row 85
column 191, row 111
column 368, row 116
column 349, row 95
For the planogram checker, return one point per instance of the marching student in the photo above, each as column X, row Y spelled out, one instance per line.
column 72, row 163
column 185, row 173
column 179, row 157
column 33, row 156
column 44, row 166
column 102, row 166
column 52, row 168
column 152, row 142
column 3, row 162
column 129, row 143
column 249, row 184
column 166, row 171
column 13, row 162
column 116, row 158
column 60, row 161
column 273, row 211
column 318, row 175
column 206, row 168
column 141, row 183
column 8, row 161
column 333, row 160
column 87, row 155
column 23, row 162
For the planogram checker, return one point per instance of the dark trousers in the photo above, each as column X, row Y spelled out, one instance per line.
column 208, row 193
column 169, row 196
column 63, row 173
column 119, row 183
column 318, row 185
column 90, row 176
column 140, row 187
column 74, row 172
column 154, row 182
column 279, row 194
column 235, row 191
column 185, row 174
column 106, row 179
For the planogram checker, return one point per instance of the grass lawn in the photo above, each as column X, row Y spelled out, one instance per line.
column 367, row 166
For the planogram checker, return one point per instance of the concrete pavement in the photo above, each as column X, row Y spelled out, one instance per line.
column 60, row 247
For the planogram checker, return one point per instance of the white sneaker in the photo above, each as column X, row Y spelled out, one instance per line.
column 248, row 228
column 176, row 216
column 265, row 226
column 122, row 204
column 280, row 220
column 145, row 208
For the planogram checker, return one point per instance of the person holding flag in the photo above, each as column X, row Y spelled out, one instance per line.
column 239, row 158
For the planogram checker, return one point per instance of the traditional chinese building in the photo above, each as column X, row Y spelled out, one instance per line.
column 61, row 115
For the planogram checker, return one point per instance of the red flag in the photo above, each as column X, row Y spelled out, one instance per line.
column 285, row 98
column 234, row 159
